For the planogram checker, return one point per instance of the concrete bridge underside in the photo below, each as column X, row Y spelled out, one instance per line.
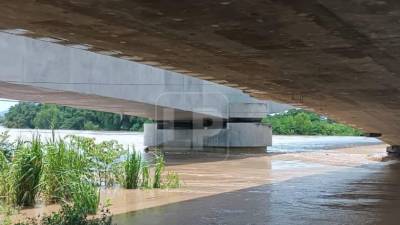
column 339, row 58
column 188, row 112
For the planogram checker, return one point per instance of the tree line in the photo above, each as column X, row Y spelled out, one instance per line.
column 301, row 122
column 50, row 116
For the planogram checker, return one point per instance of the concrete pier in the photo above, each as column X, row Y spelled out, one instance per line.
column 393, row 150
column 231, row 135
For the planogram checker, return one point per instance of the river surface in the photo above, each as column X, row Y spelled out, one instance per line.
column 355, row 196
column 308, row 180
column 280, row 144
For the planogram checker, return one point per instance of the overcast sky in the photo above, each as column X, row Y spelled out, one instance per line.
column 5, row 104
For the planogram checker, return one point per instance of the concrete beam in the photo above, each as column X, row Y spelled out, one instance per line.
column 34, row 70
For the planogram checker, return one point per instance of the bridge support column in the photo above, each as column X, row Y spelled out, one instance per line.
column 186, row 135
column 393, row 150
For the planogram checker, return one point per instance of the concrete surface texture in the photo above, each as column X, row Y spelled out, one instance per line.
column 47, row 72
column 338, row 57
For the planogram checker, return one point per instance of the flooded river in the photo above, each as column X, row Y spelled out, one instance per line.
column 302, row 180
column 281, row 144
column 354, row 196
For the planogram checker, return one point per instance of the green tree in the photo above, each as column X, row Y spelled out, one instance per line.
column 300, row 122
column 48, row 116
column 21, row 115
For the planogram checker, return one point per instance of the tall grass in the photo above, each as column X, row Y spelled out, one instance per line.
column 146, row 179
column 27, row 171
column 6, row 184
column 133, row 166
column 86, row 197
column 6, row 178
column 172, row 180
column 71, row 170
column 6, row 211
column 158, row 170
column 63, row 167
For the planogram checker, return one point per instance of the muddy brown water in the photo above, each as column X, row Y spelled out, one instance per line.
column 337, row 186
column 366, row 194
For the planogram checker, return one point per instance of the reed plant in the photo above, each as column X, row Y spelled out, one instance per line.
column 63, row 167
column 146, row 179
column 172, row 180
column 158, row 170
column 3, row 160
column 7, row 195
column 27, row 170
column 86, row 196
column 133, row 166
column 71, row 170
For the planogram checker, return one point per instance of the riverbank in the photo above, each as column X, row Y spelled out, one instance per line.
column 211, row 174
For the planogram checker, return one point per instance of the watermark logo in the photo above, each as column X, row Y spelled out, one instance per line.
column 189, row 121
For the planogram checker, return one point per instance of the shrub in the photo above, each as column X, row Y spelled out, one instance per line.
column 104, row 158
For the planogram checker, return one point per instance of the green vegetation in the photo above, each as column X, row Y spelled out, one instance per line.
column 104, row 158
column 7, row 212
column 27, row 170
column 159, row 168
column 133, row 167
column 300, row 122
column 62, row 166
column 86, row 197
column 146, row 180
column 172, row 180
column 71, row 172
column 5, row 146
column 6, row 178
column 70, row 215
column 137, row 173
column 48, row 116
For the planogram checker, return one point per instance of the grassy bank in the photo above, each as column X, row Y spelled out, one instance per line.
column 71, row 171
